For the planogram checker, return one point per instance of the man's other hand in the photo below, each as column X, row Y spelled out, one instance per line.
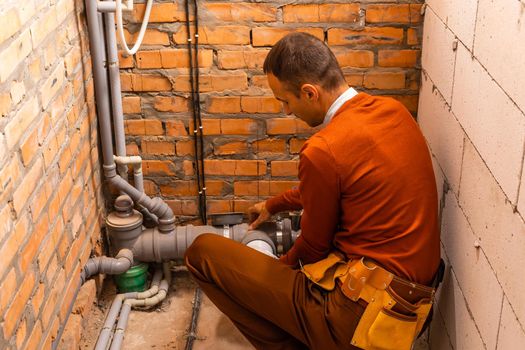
column 258, row 214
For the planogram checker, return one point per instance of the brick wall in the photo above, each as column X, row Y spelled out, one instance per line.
column 49, row 170
column 472, row 111
column 251, row 146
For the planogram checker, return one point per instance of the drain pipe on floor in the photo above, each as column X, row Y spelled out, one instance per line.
column 122, row 304
column 120, row 264
column 107, row 329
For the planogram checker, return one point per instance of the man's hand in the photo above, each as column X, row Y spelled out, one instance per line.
column 258, row 214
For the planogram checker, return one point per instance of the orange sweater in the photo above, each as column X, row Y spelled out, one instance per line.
column 367, row 189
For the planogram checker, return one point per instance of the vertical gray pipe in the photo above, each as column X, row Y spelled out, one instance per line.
column 116, row 96
column 99, row 75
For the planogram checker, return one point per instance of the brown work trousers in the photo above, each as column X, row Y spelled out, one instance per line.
column 273, row 305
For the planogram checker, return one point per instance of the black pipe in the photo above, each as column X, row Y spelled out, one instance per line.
column 202, row 197
column 196, row 119
column 194, row 318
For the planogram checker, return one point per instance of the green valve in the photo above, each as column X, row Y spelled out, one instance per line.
column 133, row 280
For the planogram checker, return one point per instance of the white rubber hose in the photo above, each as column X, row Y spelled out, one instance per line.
column 120, row 27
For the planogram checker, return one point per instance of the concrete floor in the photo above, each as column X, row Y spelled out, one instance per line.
column 165, row 327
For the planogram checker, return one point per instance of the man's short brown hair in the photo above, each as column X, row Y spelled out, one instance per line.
column 301, row 58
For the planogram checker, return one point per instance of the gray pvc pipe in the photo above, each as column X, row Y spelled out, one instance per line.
column 156, row 206
column 116, row 95
column 153, row 296
column 101, row 89
column 102, row 264
column 107, row 329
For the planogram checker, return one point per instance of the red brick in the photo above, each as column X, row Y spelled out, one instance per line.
column 384, row 80
column 211, row 126
column 278, row 187
column 412, row 36
column 160, row 12
column 150, row 188
column 409, row 13
column 355, row 79
column 8, row 290
column 28, row 147
column 354, row 58
column 284, row 167
column 150, row 127
column 260, row 104
column 267, row 36
column 217, row 188
column 253, row 59
column 144, row 82
column 321, row 13
column 179, row 189
column 171, row 58
column 234, row 167
column 238, row 126
column 176, row 128
column 235, row 12
column 183, row 207
column 217, row 35
column 5, row 104
column 242, row 205
column 260, row 81
column 278, row 126
column 171, row 104
column 21, row 122
column 125, row 61
column 214, row 82
column 366, row 36
column 296, row 145
column 158, row 147
column 398, row 58
column 270, row 145
column 230, row 148
column 35, row 337
column 151, row 37
column 185, row 148
column 38, row 298
column 131, row 105
column 28, row 253
column 13, row 314
column 27, row 186
column 21, row 333
column 251, row 188
column 224, row 104
column 157, row 168
column 216, row 206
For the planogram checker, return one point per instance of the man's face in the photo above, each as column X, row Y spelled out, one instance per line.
column 303, row 107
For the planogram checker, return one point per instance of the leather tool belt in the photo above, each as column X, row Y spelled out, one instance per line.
column 396, row 310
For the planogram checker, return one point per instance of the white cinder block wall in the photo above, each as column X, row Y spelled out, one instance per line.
column 472, row 112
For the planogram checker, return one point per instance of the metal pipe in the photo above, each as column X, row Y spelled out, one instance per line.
column 116, row 94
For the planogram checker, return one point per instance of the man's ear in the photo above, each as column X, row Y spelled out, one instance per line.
column 310, row 92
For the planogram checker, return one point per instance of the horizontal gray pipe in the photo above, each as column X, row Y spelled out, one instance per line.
column 112, row 266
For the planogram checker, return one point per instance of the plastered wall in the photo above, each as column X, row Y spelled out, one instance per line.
column 471, row 110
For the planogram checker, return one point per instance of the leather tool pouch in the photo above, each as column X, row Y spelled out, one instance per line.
column 389, row 322
column 325, row 272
